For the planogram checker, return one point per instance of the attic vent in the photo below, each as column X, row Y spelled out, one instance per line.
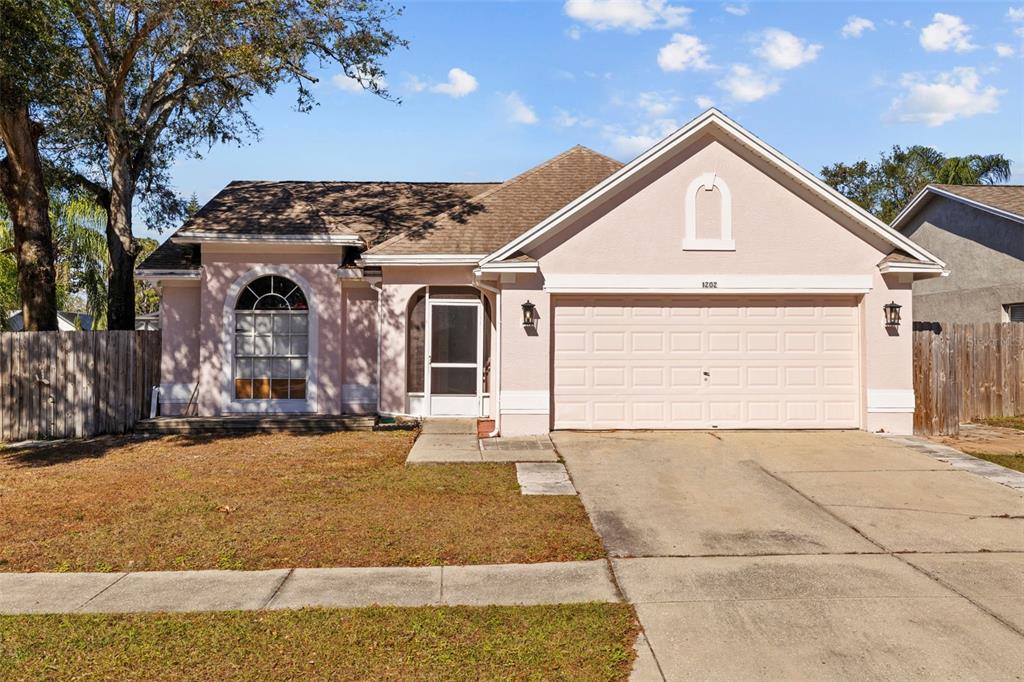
column 1015, row 311
column 693, row 238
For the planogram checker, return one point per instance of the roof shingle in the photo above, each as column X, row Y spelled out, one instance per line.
column 506, row 211
column 1009, row 198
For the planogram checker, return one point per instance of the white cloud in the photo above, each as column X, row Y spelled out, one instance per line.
column 627, row 144
column 574, row 32
column 783, row 50
column 704, row 102
column 746, row 85
column 1004, row 50
column 946, row 32
column 564, row 119
column 518, row 110
column 952, row 95
column 738, row 10
column 352, row 83
column 1015, row 13
column 855, row 27
column 655, row 104
column 460, row 83
column 683, row 52
column 629, row 15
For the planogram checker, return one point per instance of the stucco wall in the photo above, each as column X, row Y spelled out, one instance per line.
column 984, row 254
column 224, row 267
column 779, row 229
column 179, row 358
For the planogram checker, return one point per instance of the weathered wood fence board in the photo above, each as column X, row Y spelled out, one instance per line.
column 75, row 384
column 964, row 372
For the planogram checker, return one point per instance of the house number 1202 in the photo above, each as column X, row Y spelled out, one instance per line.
column 709, row 285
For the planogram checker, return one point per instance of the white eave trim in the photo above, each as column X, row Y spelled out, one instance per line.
column 333, row 239
column 167, row 274
column 707, row 284
column 922, row 197
column 691, row 129
column 422, row 259
column 508, row 266
column 933, row 268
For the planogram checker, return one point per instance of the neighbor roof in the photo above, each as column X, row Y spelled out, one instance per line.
column 503, row 213
column 1006, row 201
column 292, row 210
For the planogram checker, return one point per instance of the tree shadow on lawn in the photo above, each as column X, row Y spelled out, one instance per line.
column 37, row 454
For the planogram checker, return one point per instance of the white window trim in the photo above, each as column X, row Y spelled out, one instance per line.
column 708, row 182
column 228, row 403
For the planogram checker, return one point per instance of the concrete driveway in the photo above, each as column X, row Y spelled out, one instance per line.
column 806, row 555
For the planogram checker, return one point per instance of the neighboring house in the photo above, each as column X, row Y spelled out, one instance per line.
column 979, row 231
column 66, row 321
column 709, row 283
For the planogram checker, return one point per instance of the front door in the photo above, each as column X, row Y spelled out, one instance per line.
column 454, row 356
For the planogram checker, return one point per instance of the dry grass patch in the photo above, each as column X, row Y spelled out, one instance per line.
column 581, row 641
column 270, row 501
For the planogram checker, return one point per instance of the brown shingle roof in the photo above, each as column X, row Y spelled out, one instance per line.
column 508, row 210
column 1009, row 198
column 374, row 211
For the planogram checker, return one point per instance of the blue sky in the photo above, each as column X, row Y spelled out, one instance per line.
column 489, row 89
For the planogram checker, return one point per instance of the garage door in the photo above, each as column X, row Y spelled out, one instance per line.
column 678, row 363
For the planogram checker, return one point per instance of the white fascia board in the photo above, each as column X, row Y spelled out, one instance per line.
column 425, row 259
column 509, row 266
column 167, row 274
column 333, row 239
column 688, row 131
column 922, row 197
column 912, row 267
column 707, row 284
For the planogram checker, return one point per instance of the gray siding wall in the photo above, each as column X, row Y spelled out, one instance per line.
column 985, row 256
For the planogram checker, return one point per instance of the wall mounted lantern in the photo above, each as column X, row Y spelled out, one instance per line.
column 892, row 314
column 529, row 314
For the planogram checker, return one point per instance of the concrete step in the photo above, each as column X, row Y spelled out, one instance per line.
column 255, row 424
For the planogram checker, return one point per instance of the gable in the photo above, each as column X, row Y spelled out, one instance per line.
column 713, row 122
column 712, row 207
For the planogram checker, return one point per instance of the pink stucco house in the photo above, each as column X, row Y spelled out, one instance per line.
column 709, row 283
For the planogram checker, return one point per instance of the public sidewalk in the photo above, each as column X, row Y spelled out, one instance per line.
column 498, row 584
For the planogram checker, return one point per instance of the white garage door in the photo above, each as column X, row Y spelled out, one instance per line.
column 647, row 362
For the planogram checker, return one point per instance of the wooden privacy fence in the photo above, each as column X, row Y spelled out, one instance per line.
column 966, row 371
column 75, row 384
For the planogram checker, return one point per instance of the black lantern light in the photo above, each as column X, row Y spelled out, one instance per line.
column 529, row 314
column 892, row 314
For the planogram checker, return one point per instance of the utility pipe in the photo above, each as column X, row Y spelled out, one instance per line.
column 496, row 392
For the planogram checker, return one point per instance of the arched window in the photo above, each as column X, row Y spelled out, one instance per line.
column 271, row 340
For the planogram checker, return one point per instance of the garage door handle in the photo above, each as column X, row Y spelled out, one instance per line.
column 707, row 374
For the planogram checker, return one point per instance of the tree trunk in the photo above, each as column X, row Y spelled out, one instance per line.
column 24, row 190
column 121, row 244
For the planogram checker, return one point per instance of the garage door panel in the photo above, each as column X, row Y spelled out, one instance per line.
column 664, row 362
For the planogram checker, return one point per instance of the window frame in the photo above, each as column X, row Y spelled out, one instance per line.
column 232, row 405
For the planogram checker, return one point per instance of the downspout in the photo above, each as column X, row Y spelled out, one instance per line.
column 379, row 288
column 496, row 364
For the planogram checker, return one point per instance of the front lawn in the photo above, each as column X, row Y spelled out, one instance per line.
column 580, row 641
column 1008, row 422
column 1013, row 461
column 270, row 501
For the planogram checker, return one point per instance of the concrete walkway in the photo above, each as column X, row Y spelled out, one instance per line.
column 824, row 556
column 499, row 584
column 454, row 441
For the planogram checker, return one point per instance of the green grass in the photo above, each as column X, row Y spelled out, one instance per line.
column 580, row 641
column 1010, row 461
column 1008, row 422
